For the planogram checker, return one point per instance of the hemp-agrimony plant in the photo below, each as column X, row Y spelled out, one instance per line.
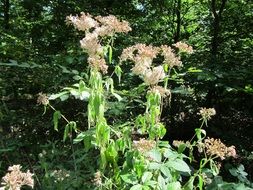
column 97, row 29
column 134, row 163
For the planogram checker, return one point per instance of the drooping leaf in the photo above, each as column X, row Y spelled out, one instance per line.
column 66, row 132
column 56, row 117
column 58, row 95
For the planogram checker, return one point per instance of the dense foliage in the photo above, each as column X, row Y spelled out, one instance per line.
column 130, row 108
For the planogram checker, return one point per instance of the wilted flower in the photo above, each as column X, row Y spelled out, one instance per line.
column 91, row 44
column 97, row 178
column 170, row 57
column 15, row 178
column 177, row 143
column 215, row 147
column 95, row 28
column 183, row 47
column 140, row 54
column 144, row 145
column 153, row 76
column 206, row 113
column 83, row 23
column 112, row 25
column 162, row 91
column 98, row 63
column 231, row 152
column 42, row 99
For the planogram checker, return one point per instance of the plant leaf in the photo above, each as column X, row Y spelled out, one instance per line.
column 56, row 117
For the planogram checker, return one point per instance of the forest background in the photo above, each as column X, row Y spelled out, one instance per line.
column 40, row 53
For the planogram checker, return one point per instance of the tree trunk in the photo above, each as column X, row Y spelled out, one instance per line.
column 6, row 14
column 178, row 21
column 216, row 26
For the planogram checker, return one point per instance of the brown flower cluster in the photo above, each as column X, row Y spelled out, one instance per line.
column 215, row 147
column 142, row 55
column 95, row 28
column 170, row 57
column 162, row 91
column 183, row 47
column 42, row 99
column 144, row 145
column 207, row 113
column 15, row 178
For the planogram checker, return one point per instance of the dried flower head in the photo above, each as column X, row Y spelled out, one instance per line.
column 215, row 147
column 177, row 143
column 98, row 63
column 183, row 47
column 207, row 113
column 95, row 28
column 144, row 145
column 91, row 44
column 112, row 25
column 170, row 57
column 84, row 22
column 42, row 99
column 15, row 178
column 97, row 179
column 140, row 54
column 162, row 91
column 231, row 152
column 153, row 76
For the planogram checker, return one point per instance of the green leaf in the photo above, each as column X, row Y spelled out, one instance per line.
column 110, row 54
column 194, row 70
column 58, row 95
column 146, row 177
column 214, row 168
column 66, row 132
column 161, row 182
column 56, row 117
column 154, row 166
column 151, row 183
column 72, row 125
column 136, row 187
column 181, row 148
column 118, row 72
column 189, row 185
column 199, row 133
column 178, row 165
column 166, row 171
column 174, row 186
column 155, row 155
column 129, row 178
column 117, row 96
column 111, row 153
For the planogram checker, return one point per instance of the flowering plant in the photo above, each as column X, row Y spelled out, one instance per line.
column 125, row 161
